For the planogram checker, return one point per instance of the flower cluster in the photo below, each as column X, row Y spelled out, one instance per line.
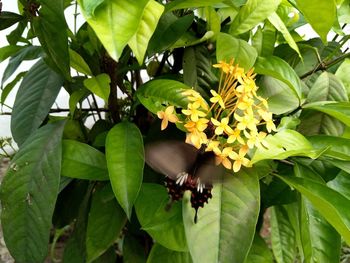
column 228, row 126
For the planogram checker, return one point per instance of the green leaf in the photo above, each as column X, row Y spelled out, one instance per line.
column 251, row 14
column 153, row 93
column 338, row 110
column 106, row 220
column 8, row 88
column 229, row 47
column 281, row 27
column 149, row 20
column 197, row 69
column 284, row 144
column 327, row 201
column 115, row 22
column 342, row 74
column 183, row 4
column 338, row 147
column 326, row 88
column 35, row 96
column 165, row 227
column 259, row 251
column 78, row 63
column 99, row 85
column 26, row 53
column 320, row 241
column 8, row 19
column 80, row 160
column 51, row 29
column 161, row 254
column 8, row 51
column 341, row 184
column 90, row 5
column 125, row 161
column 226, row 225
column 28, row 194
column 279, row 69
column 276, row 91
column 313, row 10
column 282, row 236
column 190, row 39
column 170, row 28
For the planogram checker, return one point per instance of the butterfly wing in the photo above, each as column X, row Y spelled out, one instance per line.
column 207, row 171
column 170, row 157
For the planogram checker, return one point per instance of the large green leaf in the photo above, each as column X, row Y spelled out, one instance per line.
column 251, row 14
column 160, row 254
column 51, row 29
column 320, row 241
column 281, row 27
column 125, row 161
column 279, row 69
column 229, row 47
column 80, row 160
column 78, row 63
column 170, row 28
column 8, row 88
column 8, row 51
column 341, row 183
column 226, row 225
column 155, row 92
column 26, row 53
column 28, row 194
column 149, row 20
column 115, row 22
column 165, row 227
column 35, row 96
column 106, row 220
column 313, row 10
column 338, row 110
column 259, row 251
column 8, row 19
column 276, row 91
column 182, row 4
column 99, row 85
column 338, row 147
column 329, row 203
column 283, row 239
column 284, row 144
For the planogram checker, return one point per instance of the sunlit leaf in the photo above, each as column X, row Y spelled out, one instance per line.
column 252, row 13
column 226, row 225
column 160, row 254
column 78, row 63
column 259, row 251
column 99, row 85
column 125, row 161
column 182, row 4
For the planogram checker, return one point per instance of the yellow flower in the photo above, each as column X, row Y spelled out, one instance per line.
column 217, row 98
column 235, row 136
column 194, row 96
column 222, row 157
column 267, row 116
column 239, row 159
column 222, row 126
column 213, row 146
column 199, row 125
column 247, row 121
column 255, row 139
column 196, row 138
column 225, row 67
column 244, row 103
column 193, row 112
column 167, row 116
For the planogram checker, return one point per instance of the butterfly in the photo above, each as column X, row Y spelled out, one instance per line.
column 185, row 168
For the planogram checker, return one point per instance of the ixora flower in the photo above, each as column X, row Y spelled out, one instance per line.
column 234, row 121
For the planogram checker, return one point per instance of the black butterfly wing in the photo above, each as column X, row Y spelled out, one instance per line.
column 171, row 157
column 207, row 171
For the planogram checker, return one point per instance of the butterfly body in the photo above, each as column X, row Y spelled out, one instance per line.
column 185, row 168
